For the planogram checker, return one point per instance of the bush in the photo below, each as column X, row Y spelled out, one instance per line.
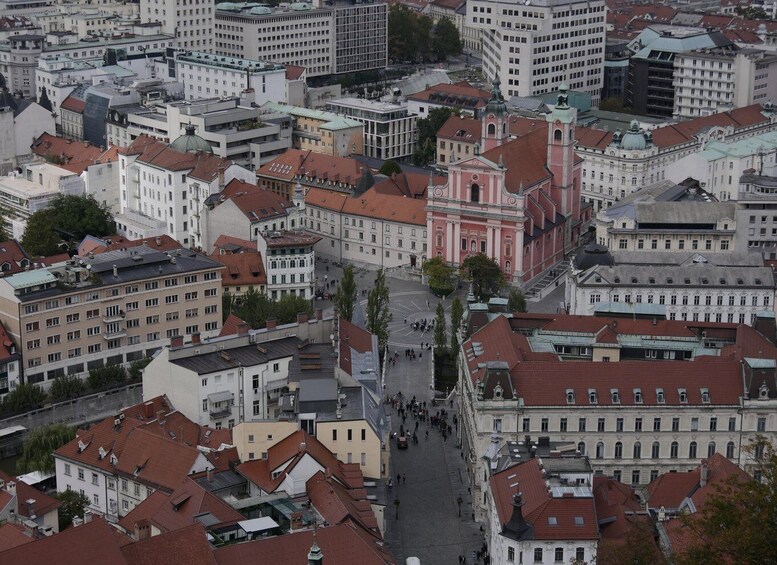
column 102, row 378
column 135, row 372
column 23, row 398
column 65, row 387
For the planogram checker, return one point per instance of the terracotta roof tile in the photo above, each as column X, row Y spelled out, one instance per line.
column 12, row 535
column 73, row 104
column 670, row 489
column 24, row 492
column 458, row 128
column 77, row 155
column 231, row 325
column 352, row 337
column 188, row 545
column 411, row 185
column 241, row 269
column 93, row 542
column 615, row 502
column 341, row 544
column 256, row 203
column 336, row 504
column 294, row 72
column 575, row 519
column 459, row 94
column 525, row 158
column 223, row 241
column 200, row 165
column 11, row 252
column 309, row 164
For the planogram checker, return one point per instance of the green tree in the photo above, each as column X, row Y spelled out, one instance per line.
column 73, row 504
column 227, row 305
column 135, row 371
column 44, row 100
column 516, row 301
column 440, row 276
column 640, row 547
column 427, row 134
column 256, row 308
column 457, row 313
column 738, row 521
column 378, row 314
column 23, row 398
column 445, row 39
column 345, row 295
column 390, row 167
column 110, row 376
column 39, row 446
column 486, row 275
column 67, row 219
column 440, row 342
column 65, row 387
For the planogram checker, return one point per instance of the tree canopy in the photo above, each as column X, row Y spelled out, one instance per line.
column 390, row 167
column 39, row 446
column 23, row 398
column 255, row 308
column 738, row 521
column 66, row 221
column 345, row 295
column 486, row 275
column 378, row 314
column 427, row 134
column 445, row 39
column 440, row 276
column 44, row 100
column 73, row 504
column 440, row 343
column 457, row 313
column 413, row 37
column 516, row 301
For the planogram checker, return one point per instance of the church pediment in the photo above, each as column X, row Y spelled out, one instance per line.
column 476, row 162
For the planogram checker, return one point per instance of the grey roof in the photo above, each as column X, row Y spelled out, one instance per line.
column 142, row 262
column 358, row 403
column 684, row 212
column 678, row 276
column 244, row 356
column 677, row 258
column 221, row 481
column 313, row 361
column 316, row 390
column 417, row 83
column 633, row 308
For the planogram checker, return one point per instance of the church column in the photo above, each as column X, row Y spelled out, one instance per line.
column 457, row 243
column 498, row 245
column 489, row 241
column 450, row 244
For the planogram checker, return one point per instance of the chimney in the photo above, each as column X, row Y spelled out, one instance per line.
column 176, row 341
column 148, row 410
column 196, row 338
column 242, row 328
column 517, row 525
column 115, row 272
column 302, row 317
column 87, row 516
column 705, row 471
column 210, row 474
column 30, row 508
column 271, row 323
column 158, row 241
column 319, row 314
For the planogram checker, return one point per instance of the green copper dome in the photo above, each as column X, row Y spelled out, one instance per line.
column 634, row 138
column 191, row 143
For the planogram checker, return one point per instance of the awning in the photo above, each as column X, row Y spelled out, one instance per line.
column 221, row 396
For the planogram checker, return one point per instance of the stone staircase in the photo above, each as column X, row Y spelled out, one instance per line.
column 538, row 286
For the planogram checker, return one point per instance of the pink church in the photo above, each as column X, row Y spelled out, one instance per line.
column 517, row 200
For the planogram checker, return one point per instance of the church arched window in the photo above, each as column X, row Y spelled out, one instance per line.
column 475, row 193
column 557, row 135
column 491, row 129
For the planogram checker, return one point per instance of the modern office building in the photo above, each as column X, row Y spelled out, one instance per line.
column 191, row 24
column 533, row 48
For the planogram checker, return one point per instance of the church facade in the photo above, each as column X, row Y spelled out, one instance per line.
column 515, row 200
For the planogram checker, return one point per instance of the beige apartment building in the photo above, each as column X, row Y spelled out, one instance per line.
column 108, row 309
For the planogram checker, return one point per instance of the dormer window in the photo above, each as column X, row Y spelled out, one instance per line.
column 763, row 392
column 570, row 396
column 669, row 281
column 498, row 392
column 660, row 399
column 615, row 396
column 592, row 396
column 705, row 396
column 683, row 395
column 637, row 396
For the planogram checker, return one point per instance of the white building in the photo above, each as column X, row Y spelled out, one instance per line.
column 719, row 164
column 191, row 24
column 325, row 38
column 695, row 285
column 639, row 397
column 534, row 48
column 164, row 187
column 756, row 225
column 206, row 76
column 708, row 81
column 20, row 199
column 290, row 263
column 616, row 164
column 389, row 129
column 223, row 382
column 102, row 180
column 234, row 129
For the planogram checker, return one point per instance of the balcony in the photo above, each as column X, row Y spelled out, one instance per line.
column 220, row 404
column 114, row 335
column 117, row 317
column 135, row 178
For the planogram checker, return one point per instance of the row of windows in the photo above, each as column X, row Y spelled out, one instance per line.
column 639, row 424
column 655, row 450
column 720, row 300
column 559, row 555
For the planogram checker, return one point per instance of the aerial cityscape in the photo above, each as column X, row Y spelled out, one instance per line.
column 388, row 282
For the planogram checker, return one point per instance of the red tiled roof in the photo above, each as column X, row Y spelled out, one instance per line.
column 457, row 94
column 93, row 542
column 352, row 337
column 43, row 502
column 670, row 489
column 336, row 504
column 201, row 165
column 278, row 240
column 294, row 72
column 159, row 243
column 411, row 185
column 187, row 546
column 719, row 468
column 463, row 129
column 343, row 544
column 526, row 160
column 371, row 204
column 615, row 504
column 180, row 508
column 241, row 269
column 12, row 535
column 156, row 460
column 256, row 203
column 244, row 244
column 11, row 252
column 77, row 154
column 51, row 259
column 449, row 4
column 73, row 104
column 231, row 325
column 316, row 165
column 6, row 498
